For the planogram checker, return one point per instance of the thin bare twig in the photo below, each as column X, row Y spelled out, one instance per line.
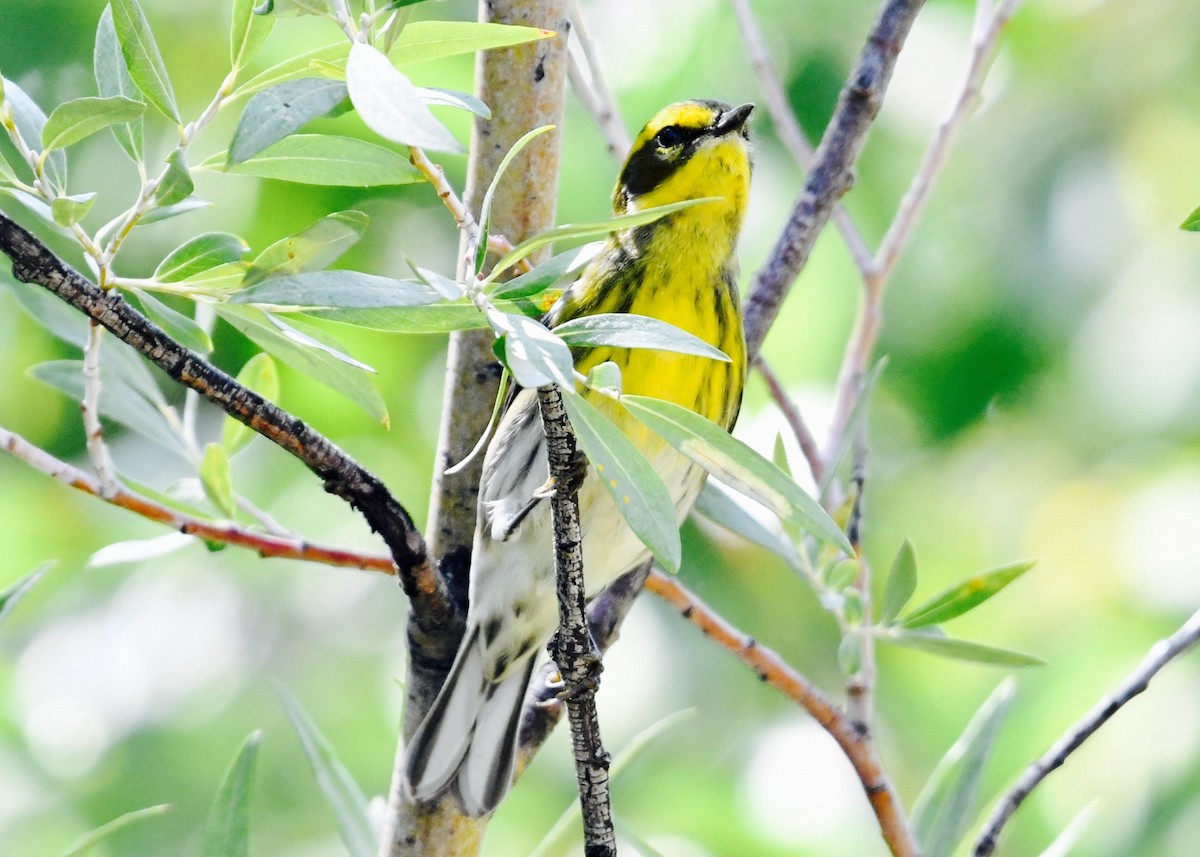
column 852, row 737
column 572, row 647
column 990, row 23
column 795, row 420
column 264, row 544
column 593, row 91
column 787, row 126
column 1162, row 653
column 90, row 409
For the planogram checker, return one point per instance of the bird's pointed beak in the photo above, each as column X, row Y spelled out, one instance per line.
column 733, row 119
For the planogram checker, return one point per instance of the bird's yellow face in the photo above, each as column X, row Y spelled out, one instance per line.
column 688, row 150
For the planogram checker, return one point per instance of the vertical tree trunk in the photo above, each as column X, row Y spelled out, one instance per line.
column 524, row 87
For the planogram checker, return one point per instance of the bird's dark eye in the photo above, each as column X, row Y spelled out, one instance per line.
column 669, row 137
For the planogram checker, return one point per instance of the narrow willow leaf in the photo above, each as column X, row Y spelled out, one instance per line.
column 315, row 247
column 141, row 550
column 6, row 171
column 534, row 355
column 554, row 270
column 79, row 118
column 119, row 401
column 452, row 98
column 430, row 40
column 318, row 342
column 30, row 120
column 104, row 831
column 627, row 330
column 485, row 211
column 1192, row 222
column 143, row 58
column 166, row 212
column 69, row 210
column 967, row 595
column 217, row 478
column 247, row 32
column 927, row 640
column 37, row 206
column 292, row 7
column 390, row 105
column 298, row 65
column 261, row 375
column 12, row 594
column 1066, row 841
column 199, row 254
column 579, row 231
column 901, row 583
column 281, row 110
column 336, row 289
column 318, row 364
column 227, row 833
column 449, row 289
column 947, row 804
column 640, row 494
column 176, row 184
column 728, row 510
column 737, row 465
column 326, row 159
column 779, row 457
column 223, row 278
column 850, row 654
column 431, row 318
column 343, row 795
column 112, row 78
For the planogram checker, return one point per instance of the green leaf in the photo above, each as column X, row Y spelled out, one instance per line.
column 292, row 7
column 166, row 212
column 640, row 494
column 431, row 318
column 1071, row 834
column 485, row 211
column 68, row 210
column 721, row 507
column 227, row 833
column 176, row 184
column 80, row 118
column 947, row 804
column 6, row 171
column 390, row 105
column 737, row 465
column 901, row 583
column 119, row 401
column 534, row 355
column 112, row 78
column 104, row 831
column 931, row 641
column 325, row 159
column 178, row 326
column 36, row 206
column 337, row 289
column 142, row 57
column 429, row 40
column 12, row 594
column 280, row 110
column 345, row 798
column 627, row 330
column 967, row 595
column 319, row 356
column 298, row 65
column 579, row 231
column 315, row 247
column 553, row 270
column 261, row 375
column 850, row 654
column 1192, row 222
column 30, row 120
column 452, row 98
column 217, row 479
column 247, row 32
column 199, row 254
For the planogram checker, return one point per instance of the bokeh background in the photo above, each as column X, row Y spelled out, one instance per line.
column 1040, row 401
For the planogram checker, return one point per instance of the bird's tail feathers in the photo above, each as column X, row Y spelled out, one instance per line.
column 468, row 738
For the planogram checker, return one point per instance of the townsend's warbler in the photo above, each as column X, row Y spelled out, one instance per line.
column 681, row 269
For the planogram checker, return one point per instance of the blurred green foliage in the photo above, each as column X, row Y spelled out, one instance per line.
column 1040, row 401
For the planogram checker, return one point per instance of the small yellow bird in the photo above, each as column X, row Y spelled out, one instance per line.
column 681, row 269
